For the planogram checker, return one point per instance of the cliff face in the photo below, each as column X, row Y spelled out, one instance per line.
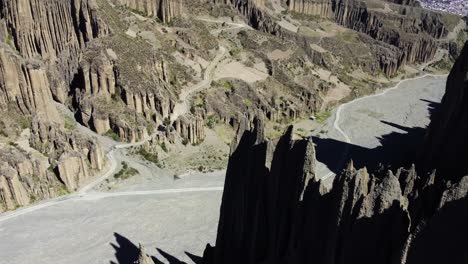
column 254, row 12
column 275, row 210
column 75, row 155
column 445, row 140
column 165, row 10
column 25, row 85
column 40, row 47
column 412, row 31
column 54, row 31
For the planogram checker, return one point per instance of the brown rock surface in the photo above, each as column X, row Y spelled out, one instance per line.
column 165, row 10
column 190, row 128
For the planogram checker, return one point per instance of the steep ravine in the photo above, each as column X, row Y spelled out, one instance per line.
column 276, row 210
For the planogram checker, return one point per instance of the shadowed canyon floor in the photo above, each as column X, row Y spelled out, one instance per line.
column 174, row 224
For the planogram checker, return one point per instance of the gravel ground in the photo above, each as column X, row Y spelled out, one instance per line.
column 82, row 230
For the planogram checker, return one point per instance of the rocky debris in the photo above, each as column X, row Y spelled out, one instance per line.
column 275, row 209
column 445, row 139
column 190, row 128
column 165, row 10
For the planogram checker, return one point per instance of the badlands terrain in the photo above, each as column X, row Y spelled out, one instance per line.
column 180, row 216
column 117, row 117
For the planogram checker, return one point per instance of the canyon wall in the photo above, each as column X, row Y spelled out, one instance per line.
column 445, row 140
column 54, row 31
column 165, row 10
column 276, row 210
column 40, row 46
column 413, row 32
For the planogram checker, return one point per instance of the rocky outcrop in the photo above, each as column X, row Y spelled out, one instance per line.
column 49, row 28
column 109, row 95
column 143, row 258
column 256, row 15
column 72, row 169
column 165, row 10
column 26, row 86
column 446, row 137
column 320, row 8
column 75, row 155
column 414, row 3
column 413, row 30
column 54, row 31
column 25, row 178
column 190, row 128
column 275, row 209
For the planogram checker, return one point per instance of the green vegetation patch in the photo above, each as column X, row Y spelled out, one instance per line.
column 126, row 172
column 322, row 117
column 152, row 157
column 110, row 133
column 70, row 123
column 211, row 121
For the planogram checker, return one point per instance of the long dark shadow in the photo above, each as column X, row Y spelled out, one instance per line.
column 396, row 150
column 125, row 251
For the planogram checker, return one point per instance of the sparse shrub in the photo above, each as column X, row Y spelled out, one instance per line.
column 167, row 121
column 164, row 147
column 211, row 121
column 70, row 123
column 126, row 172
column 110, row 133
column 152, row 157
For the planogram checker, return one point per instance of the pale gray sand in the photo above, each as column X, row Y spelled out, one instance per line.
column 80, row 231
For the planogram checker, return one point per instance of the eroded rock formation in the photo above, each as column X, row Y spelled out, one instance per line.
column 165, row 10
column 190, row 128
column 75, row 155
column 445, row 140
column 26, row 86
column 276, row 210
column 40, row 47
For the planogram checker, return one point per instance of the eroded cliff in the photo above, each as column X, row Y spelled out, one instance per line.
column 275, row 209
